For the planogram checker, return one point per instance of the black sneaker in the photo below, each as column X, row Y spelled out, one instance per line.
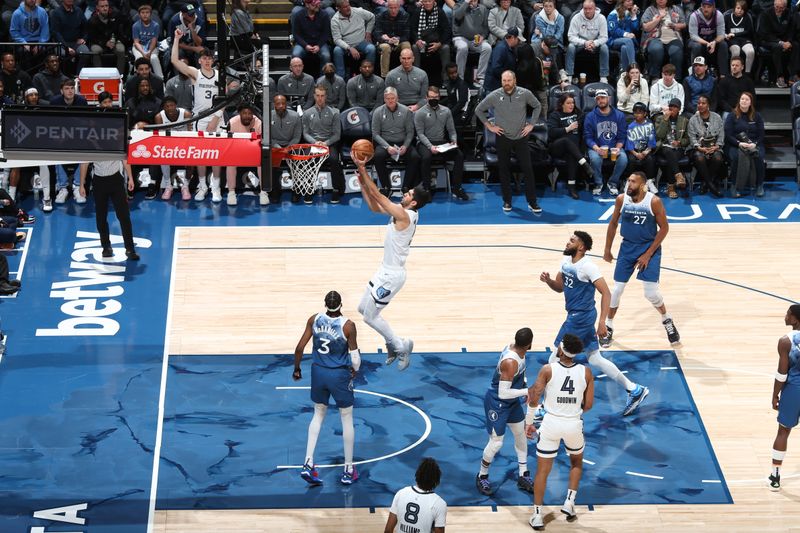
column 335, row 196
column 587, row 168
column 506, row 207
column 774, row 483
column 672, row 332
column 534, row 207
column 24, row 218
column 605, row 342
column 483, row 485
column 132, row 255
column 151, row 193
column 525, row 482
column 108, row 252
column 460, row 193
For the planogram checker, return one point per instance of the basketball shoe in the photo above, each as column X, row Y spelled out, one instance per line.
column 774, row 483
column 310, row 475
column 635, row 398
column 569, row 509
column 537, row 522
column 348, row 478
column 404, row 355
column 672, row 332
column 483, row 485
column 525, row 482
column 605, row 342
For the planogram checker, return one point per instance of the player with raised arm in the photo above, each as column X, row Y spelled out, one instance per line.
column 644, row 227
column 391, row 275
column 786, row 392
column 568, row 389
column 336, row 359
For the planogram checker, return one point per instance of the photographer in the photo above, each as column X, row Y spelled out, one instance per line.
column 744, row 138
column 706, row 137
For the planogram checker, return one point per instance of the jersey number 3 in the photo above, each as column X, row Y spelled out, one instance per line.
column 323, row 349
column 568, row 386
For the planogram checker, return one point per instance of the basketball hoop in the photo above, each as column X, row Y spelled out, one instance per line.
column 304, row 162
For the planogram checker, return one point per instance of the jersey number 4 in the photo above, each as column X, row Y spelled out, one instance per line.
column 568, row 386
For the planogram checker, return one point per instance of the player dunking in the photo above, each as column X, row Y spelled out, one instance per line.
column 568, row 389
column 644, row 228
column 786, row 392
column 578, row 279
column 336, row 359
column 391, row 275
column 503, row 407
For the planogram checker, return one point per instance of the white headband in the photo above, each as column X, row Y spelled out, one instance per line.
column 566, row 352
column 334, row 309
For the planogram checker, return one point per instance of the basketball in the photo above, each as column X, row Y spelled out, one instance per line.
column 363, row 150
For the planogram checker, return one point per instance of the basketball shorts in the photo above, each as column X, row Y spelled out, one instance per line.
column 789, row 406
column 386, row 283
column 626, row 263
column 501, row 412
column 327, row 382
column 582, row 325
column 555, row 429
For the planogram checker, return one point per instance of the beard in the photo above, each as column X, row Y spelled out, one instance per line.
column 570, row 251
column 631, row 193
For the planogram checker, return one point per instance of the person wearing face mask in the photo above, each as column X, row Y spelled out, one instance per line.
column 435, row 127
column 337, row 91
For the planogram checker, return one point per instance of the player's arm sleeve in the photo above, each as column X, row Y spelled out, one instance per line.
column 505, row 392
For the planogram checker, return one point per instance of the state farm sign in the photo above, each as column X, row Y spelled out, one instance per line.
column 156, row 149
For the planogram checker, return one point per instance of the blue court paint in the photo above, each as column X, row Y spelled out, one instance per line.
column 227, row 430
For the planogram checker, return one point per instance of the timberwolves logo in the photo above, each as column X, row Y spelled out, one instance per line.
column 382, row 292
column 493, row 415
column 607, row 131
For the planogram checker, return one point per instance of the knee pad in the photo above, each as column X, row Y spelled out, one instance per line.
column 652, row 293
column 616, row 293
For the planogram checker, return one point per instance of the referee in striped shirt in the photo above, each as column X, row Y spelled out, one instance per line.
column 109, row 183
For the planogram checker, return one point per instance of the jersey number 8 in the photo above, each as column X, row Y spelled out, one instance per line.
column 412, row 513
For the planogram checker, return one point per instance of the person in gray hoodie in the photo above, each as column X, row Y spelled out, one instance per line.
column 588, row 33
column 706, row 138
column 351, row 30
column 471, row 33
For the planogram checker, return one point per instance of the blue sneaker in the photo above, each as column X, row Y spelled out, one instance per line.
column 635, row 398
column 525, row 482
column 483, row 485
column 348, row 478
column 310, row 475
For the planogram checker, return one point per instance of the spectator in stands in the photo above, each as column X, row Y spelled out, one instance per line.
column 665, row 91
column 68, row 97
column 32, row 98
column 321, row 126
column 640, row 142
column 105, row 37
column 181, row 88
column 701, row 82
column 392, row 33
column 431, row 35
column 502, row 17
column 4, row 100
column 632, row 88
column 145, row 33
column 569, row 7
column 503, row 58
column 334, row 85
column 245, row 122
column 193, row 40
column 744, row 139
column 14, row 80
column 11, row 213
column 286, row 130
column 393, row 133
column 351, row 30
column 297, row 86
column 325, row 6
column 531, row 75
column 68, row 26
column 143, row 71
column 776, row 33
column 242, row 30
column 564, row 128
column 740, row 32
column 173, row 7
column 48, row 81
column 547, row 39
column 171, row 113
column 707, row 35
column 706, row 139
column 512, row 126
column 435, row 127
column 411, row 82
column 456, row 95
column 672, row 140
column 623, row 28
column 471, row 30
column 366, row 89
column 731, row 87
column 30, row 24
column 588, row 33
column 662, row 27
column 312, row 32
column 604, row 131
column 143, row 109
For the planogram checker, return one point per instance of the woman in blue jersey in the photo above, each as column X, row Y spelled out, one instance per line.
column 336, row 359
column 786, row 392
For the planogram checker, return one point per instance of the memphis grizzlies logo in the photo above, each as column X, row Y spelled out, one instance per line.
column 493, row 416
column 382, row 292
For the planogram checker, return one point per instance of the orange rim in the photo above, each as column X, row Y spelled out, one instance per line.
column 288, row 152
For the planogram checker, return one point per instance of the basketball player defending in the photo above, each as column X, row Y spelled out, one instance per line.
column 204, row 86
column 644, row 228
column 418, row 508
column 568, row 389
column 503, row 406
column 391, row 275
column 786, row 392
column 578, row 279
column 336, row 359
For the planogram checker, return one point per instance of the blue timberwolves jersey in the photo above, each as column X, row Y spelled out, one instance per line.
column 794, row 358
column 330, row 343
column 637, row 219
column 518, row 382
column 579, row 281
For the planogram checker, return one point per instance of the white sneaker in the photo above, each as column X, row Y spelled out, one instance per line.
column 144, row 177
column 79, row 198
column 47, row 205
column 651, row 186
column 216, row 195
column 562, row 75
column 263, row 198
column 231, row 198
column 537, row 522
column 62, row 195
column 613, row 189
column 597, row 189
column 37, row 181
column 603, row 79
column 569, row 509
column 200, row 194
column 252, row 180
column 404, row 356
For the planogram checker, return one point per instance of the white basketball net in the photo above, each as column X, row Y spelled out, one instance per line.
column 305, row 171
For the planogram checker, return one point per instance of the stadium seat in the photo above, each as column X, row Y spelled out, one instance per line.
column 588, row 95
column 356, row 124
column 556, row 91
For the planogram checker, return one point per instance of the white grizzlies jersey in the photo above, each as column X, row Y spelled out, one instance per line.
column 563, row 396
column 398, row 243
column 418, row 511
column 205, row 89
column 181, row 113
